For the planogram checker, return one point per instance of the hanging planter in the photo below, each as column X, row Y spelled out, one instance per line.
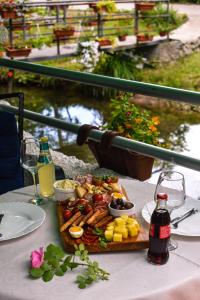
column 17, row 52
column 64, row 32
column 145, row 6
column 7, row 14
column 125, row 162
column 90, row 23
column 105, row 43
column 21, row 26
column 144, row 38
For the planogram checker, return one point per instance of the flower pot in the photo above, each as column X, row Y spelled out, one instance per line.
column 144, row 38
column 6, row 14
column 13, row 52
column 125, row 162
column 105, row 43
column 122, row 38
column 1, row 53
column 61, row 33
column 163, row 33
column 91, row 23
column 20, row 26
column 144, row 6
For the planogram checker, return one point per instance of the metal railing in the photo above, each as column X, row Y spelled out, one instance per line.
column 120, row 84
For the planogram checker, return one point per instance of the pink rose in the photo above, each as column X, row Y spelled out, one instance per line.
column 37, row 258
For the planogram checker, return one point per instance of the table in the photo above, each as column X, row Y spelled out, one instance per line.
column 131, row 277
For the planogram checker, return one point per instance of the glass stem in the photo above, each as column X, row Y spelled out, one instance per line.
column 35, row 186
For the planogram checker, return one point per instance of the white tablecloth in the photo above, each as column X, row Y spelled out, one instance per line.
column 131, row 276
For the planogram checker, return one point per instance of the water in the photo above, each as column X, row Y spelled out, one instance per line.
column 65, row 105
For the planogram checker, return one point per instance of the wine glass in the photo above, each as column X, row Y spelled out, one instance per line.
column 173, row 184
column 29, row 160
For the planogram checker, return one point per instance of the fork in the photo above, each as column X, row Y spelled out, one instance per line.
column 185, row 216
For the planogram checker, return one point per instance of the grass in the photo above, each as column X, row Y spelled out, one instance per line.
column 185, row 73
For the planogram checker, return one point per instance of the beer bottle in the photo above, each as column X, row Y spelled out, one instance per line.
column 159, row 232
column 46, row 172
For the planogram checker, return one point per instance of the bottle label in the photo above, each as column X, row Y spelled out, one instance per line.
column 151, row 230
column 164, row 232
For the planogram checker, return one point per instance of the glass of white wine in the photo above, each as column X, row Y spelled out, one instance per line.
column 29, row 161
column 173, row 184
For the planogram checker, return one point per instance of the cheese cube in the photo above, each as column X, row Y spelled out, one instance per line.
column 117, row 237
column 111, row 224
column 125, row 233
column 110, row 227
column 108, row 235
column 119, row 222
column 124, row 217
column 132, row 230
column 119, row 229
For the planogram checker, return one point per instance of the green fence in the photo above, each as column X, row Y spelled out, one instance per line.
column 120, row 84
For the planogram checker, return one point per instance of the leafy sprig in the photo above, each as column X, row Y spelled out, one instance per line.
column 102, row 240
column 56, row 263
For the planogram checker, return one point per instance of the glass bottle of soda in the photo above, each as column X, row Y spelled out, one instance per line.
column 159, row 232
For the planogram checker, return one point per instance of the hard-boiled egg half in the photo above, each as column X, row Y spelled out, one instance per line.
column 76, row 231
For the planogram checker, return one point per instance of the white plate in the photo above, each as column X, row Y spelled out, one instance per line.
column 189, row 226
column 20, row 218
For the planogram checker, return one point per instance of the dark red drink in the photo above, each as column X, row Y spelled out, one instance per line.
column 159, row 232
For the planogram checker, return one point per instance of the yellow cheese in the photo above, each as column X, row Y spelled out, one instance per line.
column 120, row 222
column 125, row 233
column 109, row 235
column 110, row 227
column 124, row 217
column 132, row 230
column 117, row 237
column 119, row 229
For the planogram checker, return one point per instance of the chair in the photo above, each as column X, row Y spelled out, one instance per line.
column 11, row 135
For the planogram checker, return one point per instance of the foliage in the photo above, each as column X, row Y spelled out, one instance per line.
column 160, row 19
column 108, row 5
column 62, row 26
column 39, row 42
column 10, row 5
column 3, row 35
column 131, row 121
column 112, row 39
column 116, row 65
column 56, row 263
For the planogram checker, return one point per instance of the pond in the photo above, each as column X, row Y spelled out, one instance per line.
column 181, row 127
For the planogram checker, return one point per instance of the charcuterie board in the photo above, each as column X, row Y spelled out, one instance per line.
column 92, row 240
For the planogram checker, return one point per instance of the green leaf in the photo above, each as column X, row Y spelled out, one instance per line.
column 36, row 273
column 82, row 285
column 68, row 259
column 81, row 247
column 77, row 253
column 54, row 262
column 73, row 265
column 48, row 275
column 45, row 266
column 59, row 272
column 64, row 267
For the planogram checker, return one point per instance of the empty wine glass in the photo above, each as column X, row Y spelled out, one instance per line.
column 173, row 184
column 29, row 161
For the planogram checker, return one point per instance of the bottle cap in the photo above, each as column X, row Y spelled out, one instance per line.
column 162, row 196
column 44, row 139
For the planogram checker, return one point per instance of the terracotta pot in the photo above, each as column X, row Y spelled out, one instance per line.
column 6, row 14
column 144, row 38
column 12, row 52
column 21, row 26
column 91, row 23
column 60, row 33
column 144, row 6
column 163, row 33
column 105, row 43
column 1, row 53
column 122, row 38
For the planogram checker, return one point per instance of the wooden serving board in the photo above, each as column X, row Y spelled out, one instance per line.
column 139, row 242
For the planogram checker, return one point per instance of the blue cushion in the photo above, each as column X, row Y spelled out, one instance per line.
column 11, row 175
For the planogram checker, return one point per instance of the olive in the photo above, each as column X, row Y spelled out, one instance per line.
column 113, row 204
column 120, row 201
column 128, row 205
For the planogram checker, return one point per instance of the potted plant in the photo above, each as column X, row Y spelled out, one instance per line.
column 132, row 122
column 19, row 49
column 108, row 6
column 144, row 6
column 62, row 30
column 21, row 26
column 144, row 37
column 122, row 34
column 106, row 41
column 164, row 28
column 8, row 9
